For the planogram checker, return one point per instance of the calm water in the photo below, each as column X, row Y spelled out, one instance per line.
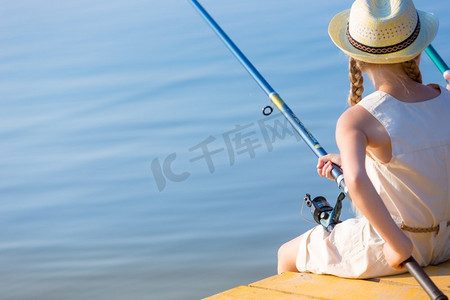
column 135, row 162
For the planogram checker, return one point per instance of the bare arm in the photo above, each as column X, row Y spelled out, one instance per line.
column 353, row 136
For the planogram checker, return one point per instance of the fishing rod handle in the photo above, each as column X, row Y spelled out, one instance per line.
column 339, row 178
column 424, row 280
column 438, row 61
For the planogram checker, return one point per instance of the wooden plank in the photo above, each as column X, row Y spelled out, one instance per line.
column 247, row 292
column 440, row 275
column 330, row 287
column 307, row 286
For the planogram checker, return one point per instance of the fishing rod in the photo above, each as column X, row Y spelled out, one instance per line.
column 323, row 214
column 298, row 126
column 438, row 61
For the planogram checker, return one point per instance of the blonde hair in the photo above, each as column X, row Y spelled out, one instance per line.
column 355, row 68
column 356, row 81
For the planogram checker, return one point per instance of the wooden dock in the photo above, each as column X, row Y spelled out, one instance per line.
column 308, row 286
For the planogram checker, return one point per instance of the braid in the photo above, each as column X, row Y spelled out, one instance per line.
column 412, row 70
column 356, row 82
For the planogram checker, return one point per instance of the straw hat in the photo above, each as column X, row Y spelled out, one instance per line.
column 383, row 31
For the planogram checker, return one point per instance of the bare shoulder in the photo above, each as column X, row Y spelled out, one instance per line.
column 354, row 118
column 357, row 123
column 350, row 127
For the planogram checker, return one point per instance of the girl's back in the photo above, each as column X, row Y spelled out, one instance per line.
column 414, row 184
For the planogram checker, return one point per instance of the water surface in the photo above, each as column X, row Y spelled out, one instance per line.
column 135, row 162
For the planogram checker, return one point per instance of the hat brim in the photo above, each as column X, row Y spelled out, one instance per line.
column 338, row 28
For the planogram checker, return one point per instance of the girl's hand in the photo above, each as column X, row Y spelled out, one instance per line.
column 395, row 258
column 325, row 165
column 447, row 76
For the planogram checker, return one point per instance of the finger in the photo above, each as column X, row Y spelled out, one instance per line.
column 321, row 161
column 447, row 77
column 321, row 167
column 400, row 267
column 447, row 74
column 328, row 168
column 320, row 171
column 325, row 170
column 331, row 169
column 395, row 265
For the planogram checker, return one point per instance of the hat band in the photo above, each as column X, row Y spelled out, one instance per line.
column 386, row 49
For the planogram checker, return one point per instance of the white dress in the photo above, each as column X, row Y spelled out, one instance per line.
column 414, row 186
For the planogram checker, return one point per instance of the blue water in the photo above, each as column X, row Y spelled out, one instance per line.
column 135, row 162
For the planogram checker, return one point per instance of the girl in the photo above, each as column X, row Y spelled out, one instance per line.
column 394, row 151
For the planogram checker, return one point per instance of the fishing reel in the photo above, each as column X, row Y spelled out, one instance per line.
column 322, row 211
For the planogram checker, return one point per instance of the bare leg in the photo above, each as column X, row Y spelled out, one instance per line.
column 287, row 256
